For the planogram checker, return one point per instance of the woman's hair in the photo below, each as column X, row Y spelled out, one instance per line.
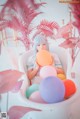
column 40, row 39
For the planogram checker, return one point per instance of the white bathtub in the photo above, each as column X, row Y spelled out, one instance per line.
column 68, row 109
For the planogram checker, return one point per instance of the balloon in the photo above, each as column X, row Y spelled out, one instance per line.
column 61, row 76
column 35, row 97
column 52, row 89
column 37, row 80
column 31, row 89
column 44, row 58
column 70, row 88
column 48, row 71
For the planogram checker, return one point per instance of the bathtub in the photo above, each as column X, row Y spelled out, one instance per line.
column 68, row 109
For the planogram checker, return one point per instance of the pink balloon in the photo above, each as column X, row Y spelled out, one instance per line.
column 48, row 71
column 35, row 97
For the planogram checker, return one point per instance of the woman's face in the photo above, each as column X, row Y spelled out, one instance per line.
column 41, row 47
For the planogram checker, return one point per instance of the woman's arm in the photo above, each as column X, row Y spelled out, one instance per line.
column 60, row 70
column 58, row 64
column 32, row 73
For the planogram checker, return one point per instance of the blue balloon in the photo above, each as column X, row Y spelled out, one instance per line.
column 52, row 89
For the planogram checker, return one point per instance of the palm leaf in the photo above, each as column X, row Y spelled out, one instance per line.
column 46, row 28
column 66, row 44
column 18, row 15
column 75, row 9
column 17, row 112
column 8, row 80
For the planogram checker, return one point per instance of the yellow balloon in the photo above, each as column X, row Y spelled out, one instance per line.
column 61, row 76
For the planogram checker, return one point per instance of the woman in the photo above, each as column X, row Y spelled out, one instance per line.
column 33, row 68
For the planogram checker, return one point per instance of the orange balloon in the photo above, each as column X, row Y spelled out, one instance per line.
column 70, row 88
column 44, row 58
column 61, row 76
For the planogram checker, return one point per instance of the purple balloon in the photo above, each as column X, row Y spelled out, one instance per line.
column 52, row 89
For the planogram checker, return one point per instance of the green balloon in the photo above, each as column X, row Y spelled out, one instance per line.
column 32, row 89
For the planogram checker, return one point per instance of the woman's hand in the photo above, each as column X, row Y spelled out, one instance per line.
column 36, row 66
column 60, row 70
column 33, row 72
